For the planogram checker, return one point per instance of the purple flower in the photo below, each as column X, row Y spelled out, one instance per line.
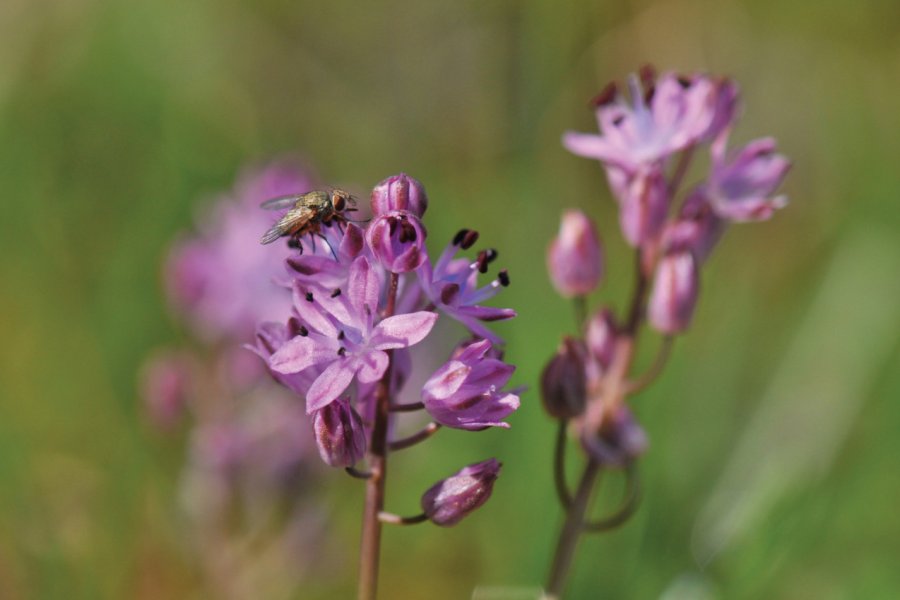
column 674, row 294
column 600, row 336
column 399, row 192
column 742, row 188
column 575, row 256
column 340, row 335
column 339, row 434
column 221, row 280
column 323, row 271
column 660, row 120
column 448, row 501
column 465, row 392
column 397, row 239
column 452, row 286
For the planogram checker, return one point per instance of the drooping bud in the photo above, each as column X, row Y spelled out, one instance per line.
column 397, row 239
column 339, row 434
column 575, row 256
column 448, row 501
column 600, row 337
column 564, row 380
column 399, row 192
column 619, row 441
column 674, row 295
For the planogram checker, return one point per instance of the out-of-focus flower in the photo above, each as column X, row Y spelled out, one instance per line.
column 662, row 118
column 339, row 434
column 563, row 382
column 451, row 285
column 399, row 192
column 222, row 279
column 697, row 228
column 575, row 256
column 465, row 393
column 742, row 188
column 397, row 239
column 675, row 288
column 600, row 337
column 341, row 336
column 165, row 388
column 448, row 501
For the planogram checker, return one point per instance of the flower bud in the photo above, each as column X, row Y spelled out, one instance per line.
column 399, row 192
column 619, row 441
column 674, row 294
column 743, row 188
column 600, row 337
column 339, row 434
column 697, row 228
column 575, row 257
column 643, row 206
column 451, row 499
column 563, row 382
column 397, row 240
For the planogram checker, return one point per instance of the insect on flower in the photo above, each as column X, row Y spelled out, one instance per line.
column 308, row 213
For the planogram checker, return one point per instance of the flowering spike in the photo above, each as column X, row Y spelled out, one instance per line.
column 575, row 256
column 448, row 501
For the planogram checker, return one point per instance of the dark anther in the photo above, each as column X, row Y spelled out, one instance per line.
column 606, row 96
column 342, row 351
column 294, row 326
column 684, row 81
column 482, row 262
column 503, row 278
column 648, row 95
column 303, row 331
column 309, row 296
column 618, row 120
column 341, row 335
column 407, row 232
column 449, row 292
column 393, row 226
column 336, row 293
column 294, row 243
column 469, row 240
column 460, row 236
column 491, row 255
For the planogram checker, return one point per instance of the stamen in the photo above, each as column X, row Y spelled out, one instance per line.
column 606, row 96
column 460, row 236
column 482, row 262
column 503, row 278
column 491, row 255
column 469, row 240
column 342, row 351
column 303, row 331
column 341, row 335
column 336, row 293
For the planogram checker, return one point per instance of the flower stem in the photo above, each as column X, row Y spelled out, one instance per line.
column 370, row 543
column 420, row 436
column 559, row 466
column 392, row 519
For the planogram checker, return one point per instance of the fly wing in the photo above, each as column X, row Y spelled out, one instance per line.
column 281, row 202
column 291, row 223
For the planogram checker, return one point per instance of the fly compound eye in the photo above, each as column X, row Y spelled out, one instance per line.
column 338, row 202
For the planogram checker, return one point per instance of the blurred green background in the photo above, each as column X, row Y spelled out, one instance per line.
column 774, row 458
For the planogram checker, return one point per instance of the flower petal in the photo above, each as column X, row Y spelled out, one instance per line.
column 364, row 289
column 372, row 367
column 302, row 352
column 330, row 384
column 400, row 331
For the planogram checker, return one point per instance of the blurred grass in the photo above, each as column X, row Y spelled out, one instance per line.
column 116, row 118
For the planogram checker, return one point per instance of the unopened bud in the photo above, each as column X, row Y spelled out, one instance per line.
column 339, row 434
column 575, row 256
column 643, row 206
column 450, row 500
column 399, row 192
column 674, row 295
column 563, row 382
column 397, row 239
column 619, row 441
column 600, row 337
